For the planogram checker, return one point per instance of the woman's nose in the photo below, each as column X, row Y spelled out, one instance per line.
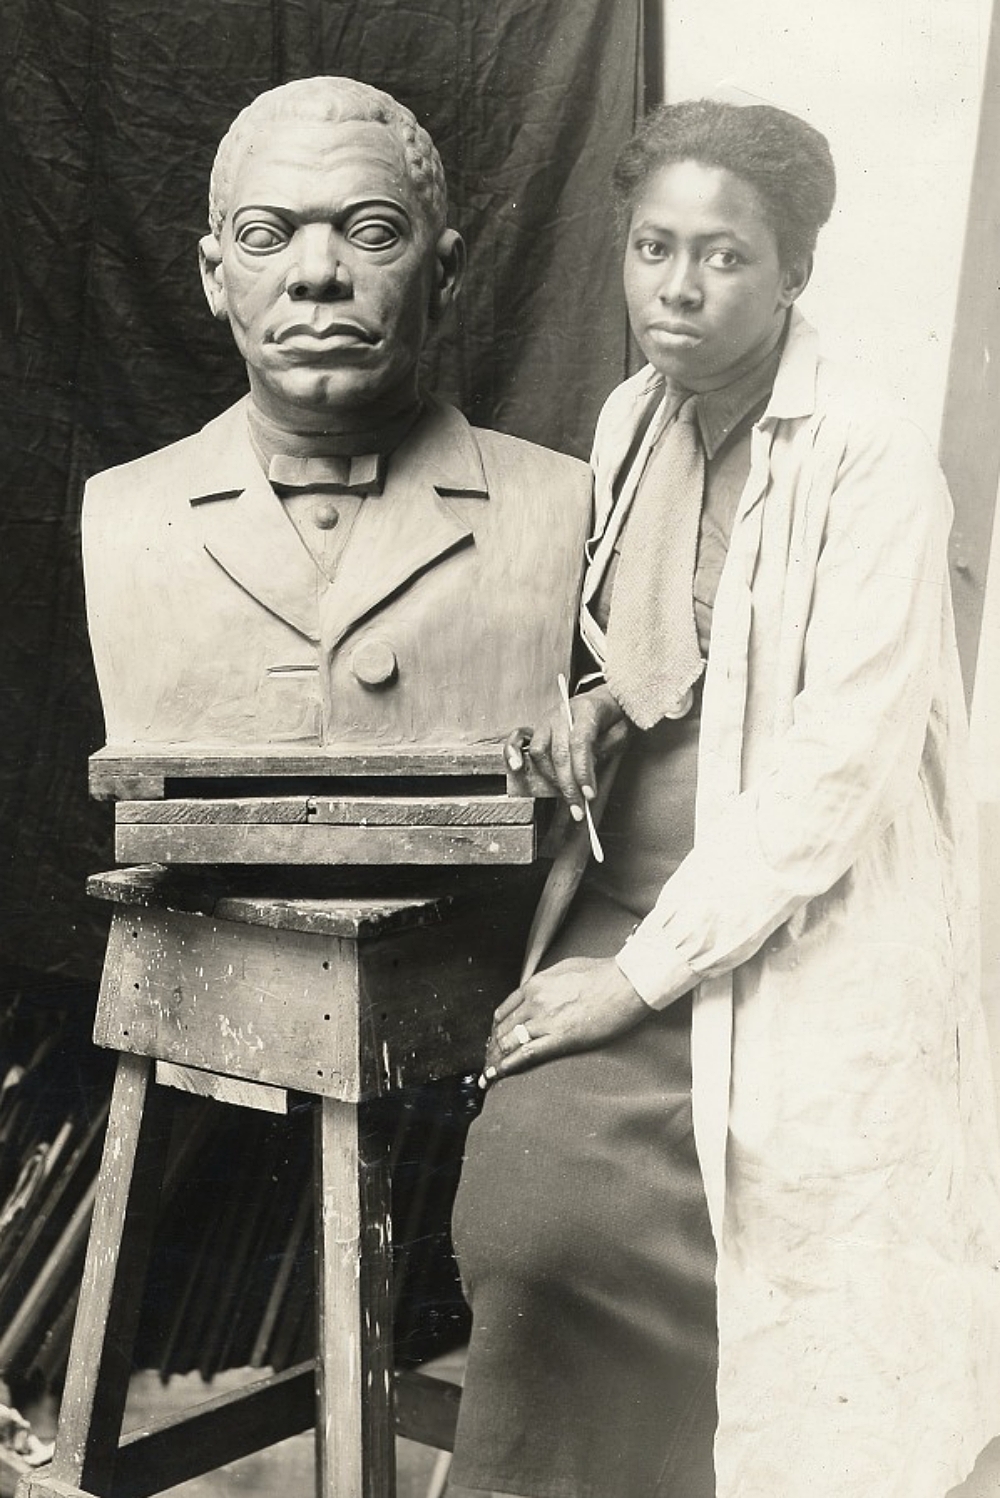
column 681, row 284
column 317, row 271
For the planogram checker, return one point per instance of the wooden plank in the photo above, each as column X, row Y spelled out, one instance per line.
column 42, row 1483
column 970, row 434
column 271, row 1006
column 355, row 1449
column 223, row 1429
column 281, row 810
column 126, row 772
column 427, row 1409
column 426, row 811
column 349, row 915
column 187, row 1444
column 222, row 1089
column 110, row 1294
column 378, row 811
column 326, row 845
column 428, row 997
column 327, row 1015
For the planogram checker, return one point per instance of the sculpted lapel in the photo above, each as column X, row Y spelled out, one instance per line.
column 410, row 526
column 398, row 534
column 244, row 527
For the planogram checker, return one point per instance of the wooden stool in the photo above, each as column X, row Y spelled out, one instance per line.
column 342, row 999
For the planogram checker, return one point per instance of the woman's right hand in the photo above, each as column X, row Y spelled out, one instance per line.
column 557, row 756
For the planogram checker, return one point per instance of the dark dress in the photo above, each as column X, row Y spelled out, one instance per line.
column 581, row 1227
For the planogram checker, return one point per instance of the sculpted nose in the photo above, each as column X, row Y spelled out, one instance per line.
column 317, row 273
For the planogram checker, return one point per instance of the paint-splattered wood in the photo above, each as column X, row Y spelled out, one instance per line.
column 355, row 1437
column 335, row 914
column 125, row 1206
column 342, row 811
column 222, row 1089
column 132, row 772
column 324, row 844
column 330, row 1015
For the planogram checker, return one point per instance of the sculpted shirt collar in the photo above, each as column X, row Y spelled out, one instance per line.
column 440, row 448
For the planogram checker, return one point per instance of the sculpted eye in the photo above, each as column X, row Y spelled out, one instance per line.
column 260, row 237
column 374, row 234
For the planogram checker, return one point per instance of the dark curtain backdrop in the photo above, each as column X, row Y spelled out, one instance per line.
column 110, row 111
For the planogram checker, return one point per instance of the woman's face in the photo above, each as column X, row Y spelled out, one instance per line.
column 706, row 290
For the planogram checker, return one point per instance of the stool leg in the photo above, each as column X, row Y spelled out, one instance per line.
column 355, row 1443
column 100, row 1359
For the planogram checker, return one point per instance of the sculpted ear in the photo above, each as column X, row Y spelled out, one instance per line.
column 210, row 264
column 449, row 268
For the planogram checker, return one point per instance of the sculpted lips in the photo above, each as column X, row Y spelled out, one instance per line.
column 317, row 335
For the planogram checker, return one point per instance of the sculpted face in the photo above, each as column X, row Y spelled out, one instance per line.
column 706, row 290
column 329, row 272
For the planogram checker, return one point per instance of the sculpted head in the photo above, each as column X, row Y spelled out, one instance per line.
column 328, row 251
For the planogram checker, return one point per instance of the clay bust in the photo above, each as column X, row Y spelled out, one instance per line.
column 339, row 559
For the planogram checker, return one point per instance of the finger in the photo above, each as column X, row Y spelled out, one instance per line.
column 525, row 1056
column 514, row 748
column 562, row 756
column 501, row 1044
column 582, row 752
column 512, row 1002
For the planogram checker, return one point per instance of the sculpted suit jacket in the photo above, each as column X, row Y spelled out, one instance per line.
column 449, row 614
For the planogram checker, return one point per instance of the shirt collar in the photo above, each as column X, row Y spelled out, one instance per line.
column 441, row 446
column 794, row 392
column 721, row 411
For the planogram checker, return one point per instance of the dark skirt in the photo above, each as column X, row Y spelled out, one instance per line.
column 586, row 1254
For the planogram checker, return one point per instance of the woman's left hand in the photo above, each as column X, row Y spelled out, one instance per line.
column 572, row 1006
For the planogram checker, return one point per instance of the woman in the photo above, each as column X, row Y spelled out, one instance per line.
column 781, row 938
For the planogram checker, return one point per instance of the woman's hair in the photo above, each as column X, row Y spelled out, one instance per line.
column 786, row 161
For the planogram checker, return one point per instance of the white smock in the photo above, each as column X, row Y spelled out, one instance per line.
column 842, row 1094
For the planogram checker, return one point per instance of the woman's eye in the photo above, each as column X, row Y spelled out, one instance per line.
column 651, row 249
column 261, row 237
column 374, row 234
column 723, row 259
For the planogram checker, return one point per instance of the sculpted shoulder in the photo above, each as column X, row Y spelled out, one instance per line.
column 178, row 469
column 517, row 460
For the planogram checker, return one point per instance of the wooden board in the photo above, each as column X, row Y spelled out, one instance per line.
column 338, row 811
column 325, row 1015
column 349, row 915
column 222, row 1089
column 323, row 843
column 131, row 772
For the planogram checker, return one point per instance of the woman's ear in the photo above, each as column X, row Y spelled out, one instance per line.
column 212, row 279
column 449, row 268
column 795, row 279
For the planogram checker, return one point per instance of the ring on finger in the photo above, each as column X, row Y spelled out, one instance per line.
column 522, row 1034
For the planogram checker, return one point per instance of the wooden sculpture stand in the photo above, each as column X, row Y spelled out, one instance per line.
column 341, row 999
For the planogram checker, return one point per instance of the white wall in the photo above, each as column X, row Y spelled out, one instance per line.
column 895, row 85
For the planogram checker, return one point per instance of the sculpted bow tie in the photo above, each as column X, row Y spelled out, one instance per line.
column 361, row 475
